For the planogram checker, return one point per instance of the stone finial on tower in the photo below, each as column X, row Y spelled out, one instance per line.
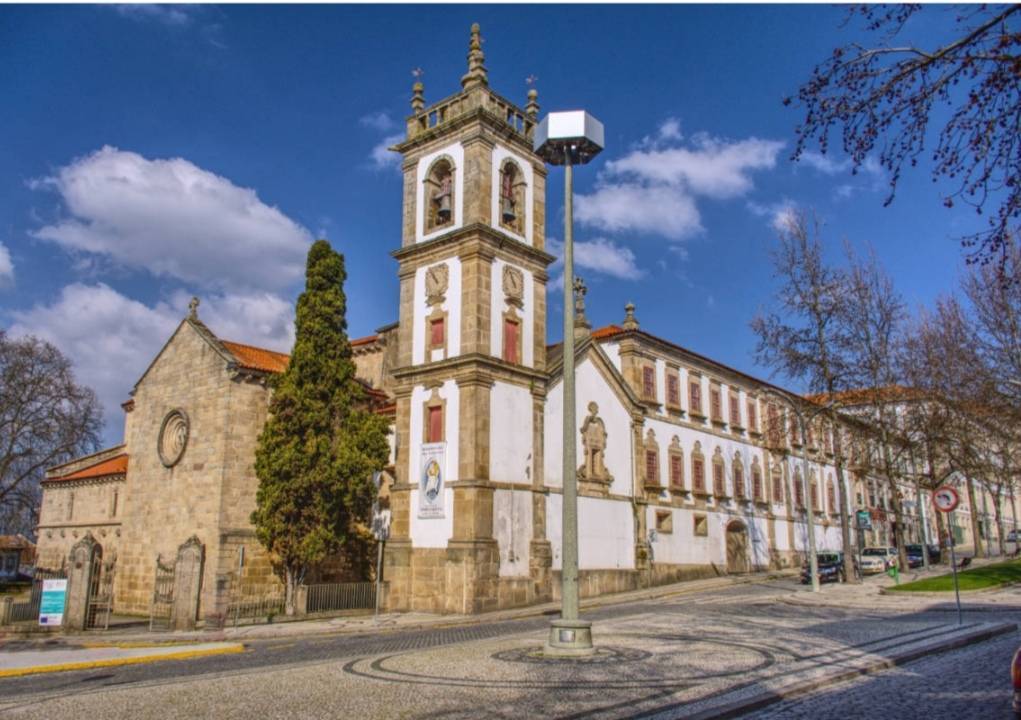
column 193, row 309
column 582, row 327
column 476, row 70
column 532, row 108
column 418, row 91
column 630, row 321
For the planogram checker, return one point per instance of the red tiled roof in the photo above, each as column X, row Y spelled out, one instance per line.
column 608, row 331
column 866, row 396
column 15, row 542
column 367, row 340
column 254, row 358
column 117, row 465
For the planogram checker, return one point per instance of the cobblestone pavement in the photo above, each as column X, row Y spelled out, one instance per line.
column 970, row 683
column 667, row 658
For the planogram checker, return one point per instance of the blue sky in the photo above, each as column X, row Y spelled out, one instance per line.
column 149, row 153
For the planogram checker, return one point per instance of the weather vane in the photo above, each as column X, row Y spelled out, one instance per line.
column 531, row 79
column 418, row 73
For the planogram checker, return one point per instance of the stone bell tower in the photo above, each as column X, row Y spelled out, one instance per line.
column 468, row 531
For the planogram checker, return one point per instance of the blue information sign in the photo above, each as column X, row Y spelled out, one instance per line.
column 51, row 605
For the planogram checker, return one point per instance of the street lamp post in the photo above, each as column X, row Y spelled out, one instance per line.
column 569, row 139
column 813, row 561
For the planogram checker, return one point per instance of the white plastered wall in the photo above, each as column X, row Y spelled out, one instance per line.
column 433, row 532
column 590, row 386
column 499, row 155
column 512, row 521
column 526, row 313
column 510, row 434
column 456, row 153
column 605, row 533
column 451, row 305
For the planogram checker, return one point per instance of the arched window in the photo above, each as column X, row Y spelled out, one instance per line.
column 512, row 197
column 738, row 466
column 439, row 195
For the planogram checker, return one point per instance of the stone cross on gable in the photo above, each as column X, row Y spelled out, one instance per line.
column 193, row 308
column 581, row 323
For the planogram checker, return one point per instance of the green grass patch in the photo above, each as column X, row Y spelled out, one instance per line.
column 972, row 579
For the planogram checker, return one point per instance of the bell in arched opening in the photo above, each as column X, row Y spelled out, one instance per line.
column 508, row 215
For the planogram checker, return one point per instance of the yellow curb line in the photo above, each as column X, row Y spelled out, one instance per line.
column 114, row 662
column 132, row 644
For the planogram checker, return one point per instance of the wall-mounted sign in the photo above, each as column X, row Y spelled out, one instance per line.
column 945, row 498
column 430, row 483
column 864, row 520
column 51, row 605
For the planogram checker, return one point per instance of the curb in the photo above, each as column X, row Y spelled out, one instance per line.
column 115, row 662
column 766, row 698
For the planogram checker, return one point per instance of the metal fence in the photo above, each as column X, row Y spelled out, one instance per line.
column 254, row 607
column 28, row 610
column 340, row 596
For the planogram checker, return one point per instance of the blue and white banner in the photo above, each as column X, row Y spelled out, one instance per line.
column 430, row 484
column 51, row 605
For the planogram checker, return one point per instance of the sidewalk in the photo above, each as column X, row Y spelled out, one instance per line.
column 58, row 659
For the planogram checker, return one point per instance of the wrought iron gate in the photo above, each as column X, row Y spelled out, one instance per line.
column 162, row 608
column 97, row 614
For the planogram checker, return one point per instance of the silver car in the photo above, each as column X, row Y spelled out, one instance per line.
column 878, row 559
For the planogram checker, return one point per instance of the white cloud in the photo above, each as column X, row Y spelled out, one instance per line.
column 6, row 266
column 111, row 339
column 599, row 256
column 379, row 120
column 824, row 163
column 656, row 209
column 166, row 14
column 778, row 214
column 382, row 157
column 653, row 189
column 174, row 219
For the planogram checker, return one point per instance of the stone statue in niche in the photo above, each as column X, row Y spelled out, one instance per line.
column 437, row 279
column 514, row 286
column 593, row 440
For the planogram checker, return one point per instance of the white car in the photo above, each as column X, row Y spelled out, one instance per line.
column 878, row 559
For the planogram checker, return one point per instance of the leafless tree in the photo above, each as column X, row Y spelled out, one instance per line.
column 45, row 418
column 890, row 97
column 802, row 338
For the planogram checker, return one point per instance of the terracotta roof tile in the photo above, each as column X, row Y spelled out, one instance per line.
column 866, row 396
column 608, row 331
column 15, row 542
column 254, row 358
column 114, row 466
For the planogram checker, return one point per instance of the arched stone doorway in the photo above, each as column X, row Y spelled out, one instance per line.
column 737, row 548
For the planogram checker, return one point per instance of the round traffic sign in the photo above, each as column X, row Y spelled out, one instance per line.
column 945, row 498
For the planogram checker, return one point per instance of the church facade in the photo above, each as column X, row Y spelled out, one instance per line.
column 686, row 469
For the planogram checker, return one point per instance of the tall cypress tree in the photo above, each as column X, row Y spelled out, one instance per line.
column 322, row 442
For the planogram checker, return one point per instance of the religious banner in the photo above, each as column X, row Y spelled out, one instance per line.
column 430, row 484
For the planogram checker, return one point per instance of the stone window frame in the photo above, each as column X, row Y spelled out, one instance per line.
column 675, row 453
column 734, row 403
column 776, row 482
column 650, row 446
column 737, row 474
column 664, row 522
column 698, row 486
column 511, row 315
column 437, row 315
column 758, row 482
column 716, row 402
column 700, row 525
column 672, row 400
column 429, row 224
column 695, row 395
column 813, row 488
column 647, row 368
column 434, row 400
column 719, row 474
column 519, row 195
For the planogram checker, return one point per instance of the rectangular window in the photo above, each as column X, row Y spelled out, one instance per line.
column 756, row 483
column 718, row 482
column 831, row 498
column 437, row 337
column 510, row 341
column 799, row 493
column 777, row 488
column 651, row 467
column 738, row 481
column 735, row 410
column 698, row 474
column 815, row 497
column 649, row 383
column 695, row 397
column 753, row 420
column 113, row 504
column 435, row 424
column 673, row 390
column 676, row 471
column 715, row 406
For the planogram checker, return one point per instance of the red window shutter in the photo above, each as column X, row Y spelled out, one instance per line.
column 831, row 498
column 735, row 411
column 649, row 382
column 714, row 401
column 672, row 391
column 510, row 341
column 738, row 481
column 435, row 424
column 799, row 492
column 436, row 337
column 752, row 424
column 698, row 474
column 651, row 466
column 777, row 490
column 695, row 397
column 756, row 484
column 718, row 487
column 676, row 471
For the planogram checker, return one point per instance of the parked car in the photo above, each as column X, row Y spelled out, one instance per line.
column 914, row 553
column 935, row 553
column 1015, row 677
column 831, row 568
column 878, row 559
column 1012, row 536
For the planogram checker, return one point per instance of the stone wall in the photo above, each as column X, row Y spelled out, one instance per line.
column 74, row 507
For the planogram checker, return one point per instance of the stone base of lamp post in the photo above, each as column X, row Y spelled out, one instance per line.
column 569, row 638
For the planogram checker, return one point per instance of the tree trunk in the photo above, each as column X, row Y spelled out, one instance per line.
column 845, row 522
column 976, row 537
column 292, row 584
column 998, row 513
column 921, row 523
column 942, row 531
